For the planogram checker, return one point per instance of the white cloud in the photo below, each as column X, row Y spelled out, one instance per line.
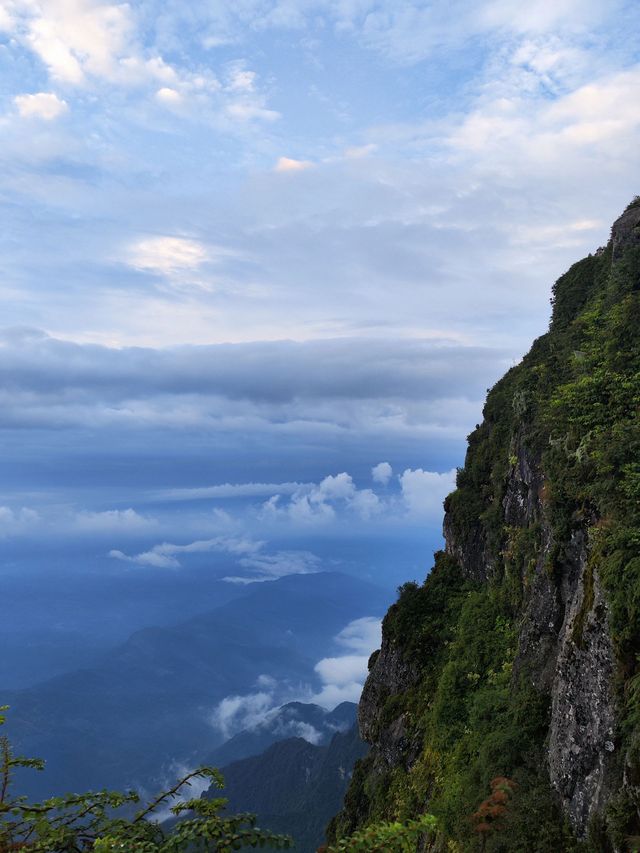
column 298, row 728
column 344, row 670
column 381, row 473
column 235, row 713
column 338, row 487
column 278, row 565
column 424, row 491
column 318, row 504
column 83, row 40
column 113, row 521
column 551, row 135
column 334, row 691
column 304, row 510
column 288, row 164
column 7, row 21
column 337, row 498
column 169, row 97
column 362, row 635
column 43, row 105
column 164, row 555
column 243, row 390
column 76, row 37
column 343, row 676
column 17, row 522
column 153, row 558
column 260, row 565
column 245, row 111
column 262, row 710
column 168, row 255
column 240, row 79
column 230, row 490
column 365, row 503
column 540, row 17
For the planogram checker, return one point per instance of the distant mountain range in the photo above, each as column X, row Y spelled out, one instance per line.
column 295, row 787
column 144, row 711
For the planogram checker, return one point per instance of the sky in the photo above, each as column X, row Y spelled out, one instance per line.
column 261, row 260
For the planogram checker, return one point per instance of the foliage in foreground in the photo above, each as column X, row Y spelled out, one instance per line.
column 79, row 823
column 393, row 837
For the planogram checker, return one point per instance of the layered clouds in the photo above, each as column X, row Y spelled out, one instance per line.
column 170, row 458
column 255, row 295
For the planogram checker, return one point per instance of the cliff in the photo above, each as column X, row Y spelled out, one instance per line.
column 518, row 656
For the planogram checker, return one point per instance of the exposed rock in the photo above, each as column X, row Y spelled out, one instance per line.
column 626, row 231
column 583, row 719
column 470, row 552
column 521, row 502
column 390, row 675
column 565, row 649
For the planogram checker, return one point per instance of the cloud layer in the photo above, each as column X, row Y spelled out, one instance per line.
column 258, row 294
column 344, row 383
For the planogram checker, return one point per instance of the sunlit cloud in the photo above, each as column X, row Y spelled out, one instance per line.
column 42, row 105
column 288, row 164
column 167, row 255
column 169, row 97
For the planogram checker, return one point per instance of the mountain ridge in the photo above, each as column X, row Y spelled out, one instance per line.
column 294, row 786
column 146, row 708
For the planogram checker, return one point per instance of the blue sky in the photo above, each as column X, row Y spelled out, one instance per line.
column 253, row 249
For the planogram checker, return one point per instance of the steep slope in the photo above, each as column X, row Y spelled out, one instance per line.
column 518, row 657
column 295, row 787
column 146, row 708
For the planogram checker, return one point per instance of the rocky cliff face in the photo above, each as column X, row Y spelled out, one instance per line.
column 576, row 672
column 625, row 233
column 518, row 656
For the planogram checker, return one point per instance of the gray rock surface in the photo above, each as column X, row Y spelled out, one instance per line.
column 625, row 232
column 390, row 675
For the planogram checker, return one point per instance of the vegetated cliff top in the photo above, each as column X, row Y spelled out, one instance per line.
column 518, row 656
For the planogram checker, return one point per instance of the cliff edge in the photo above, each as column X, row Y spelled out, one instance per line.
column 518, row 656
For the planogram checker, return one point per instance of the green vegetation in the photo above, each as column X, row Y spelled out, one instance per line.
column 393, row 837
column 571, row 411
column 79, row 823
